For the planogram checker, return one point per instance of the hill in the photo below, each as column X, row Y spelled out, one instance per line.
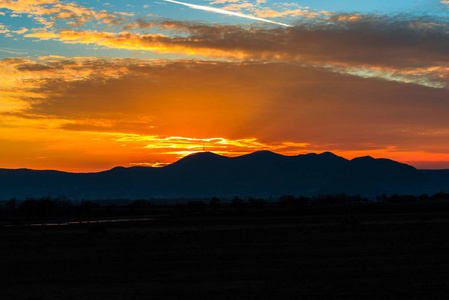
column 259, row 174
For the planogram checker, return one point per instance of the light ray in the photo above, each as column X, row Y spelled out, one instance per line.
column 226, row 12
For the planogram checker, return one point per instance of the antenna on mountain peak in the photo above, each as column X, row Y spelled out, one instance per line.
column 204, row 147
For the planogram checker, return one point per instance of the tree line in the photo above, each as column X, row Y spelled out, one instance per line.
column 62, row 208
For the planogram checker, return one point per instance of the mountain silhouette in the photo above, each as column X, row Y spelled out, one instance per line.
column 206, row 174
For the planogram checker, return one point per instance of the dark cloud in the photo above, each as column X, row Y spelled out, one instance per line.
column 33, row 67
column 400, row 41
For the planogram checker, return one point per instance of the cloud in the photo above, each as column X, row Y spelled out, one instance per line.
column 11, row 50
column 270, row 13
column 73, row 14
column 396, row 48
column 3, row 29
column 279, row 10
column 21, row 31
column 238, row 7
column 37, row 7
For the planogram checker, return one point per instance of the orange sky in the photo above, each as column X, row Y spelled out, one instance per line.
column 141, row 113
column 343, row 84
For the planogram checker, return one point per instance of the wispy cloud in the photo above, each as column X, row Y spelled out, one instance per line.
column 227, row 12
column 12, row 51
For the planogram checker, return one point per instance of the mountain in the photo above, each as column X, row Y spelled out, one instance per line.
column 260, row 174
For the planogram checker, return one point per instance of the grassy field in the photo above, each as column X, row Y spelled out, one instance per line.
column 388, row 256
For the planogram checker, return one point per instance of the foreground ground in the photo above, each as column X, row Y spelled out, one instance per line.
column 388, row 256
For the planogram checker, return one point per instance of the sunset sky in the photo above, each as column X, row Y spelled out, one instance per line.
column 90, row 85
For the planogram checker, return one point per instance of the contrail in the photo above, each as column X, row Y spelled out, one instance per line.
column 226, row 12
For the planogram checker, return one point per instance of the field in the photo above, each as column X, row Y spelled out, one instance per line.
column 317, row 256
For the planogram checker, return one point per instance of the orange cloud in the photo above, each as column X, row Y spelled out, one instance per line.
column 346, row 17
column 284, row 9
column 37, row 7
column 270, row 13
column 72, row 13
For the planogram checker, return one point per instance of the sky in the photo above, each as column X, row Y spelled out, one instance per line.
column 89, row 85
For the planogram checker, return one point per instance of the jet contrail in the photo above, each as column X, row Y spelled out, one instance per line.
column 226, row 12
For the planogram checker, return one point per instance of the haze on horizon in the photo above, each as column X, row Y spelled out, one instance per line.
column 89, row 85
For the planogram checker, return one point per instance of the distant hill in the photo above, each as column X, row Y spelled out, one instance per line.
column 259, row 174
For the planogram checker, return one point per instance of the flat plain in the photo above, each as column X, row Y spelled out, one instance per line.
column 386, row 256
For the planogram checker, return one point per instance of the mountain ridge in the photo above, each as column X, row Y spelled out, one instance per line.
column 205, row 174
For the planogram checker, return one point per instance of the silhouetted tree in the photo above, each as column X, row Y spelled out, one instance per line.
column 109, row 210
column 42, row 208
column 63, row 207
column 197, row 206
column 239, row 205
column 47, row 207
column 86, row 207
column 139, row 206
column 423, row 197
column 257, row 203
column 285, row 200
column 214, row 203
column 293, row 203
column 440, row 197
column 179, row 208
column 299, row 203
column 401, row 199
column 11, row 206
